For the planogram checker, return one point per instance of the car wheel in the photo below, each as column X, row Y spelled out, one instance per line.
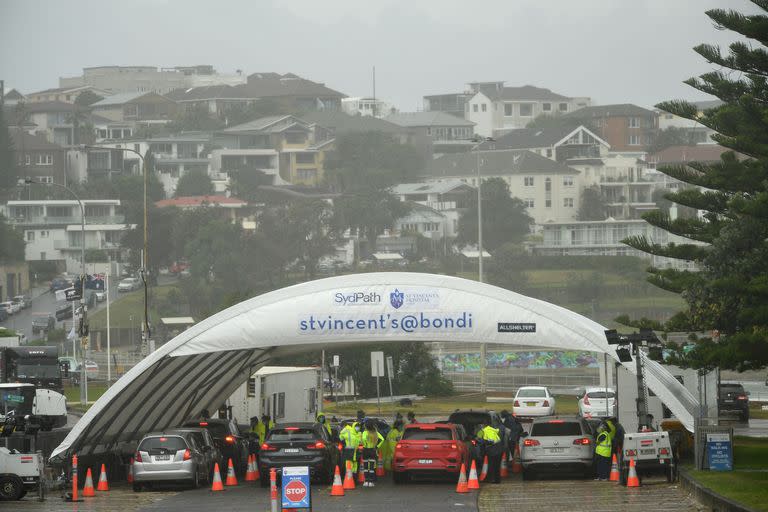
column 136, row 487
column 195, row 480
column 528, row 474
column 400, row 477
column 10, row 488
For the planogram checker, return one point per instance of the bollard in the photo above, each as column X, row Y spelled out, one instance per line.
column 74, row 477
column 273, row 489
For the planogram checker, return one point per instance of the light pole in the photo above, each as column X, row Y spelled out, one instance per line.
column 83, row 329
column 483, row 346
column 145, row 334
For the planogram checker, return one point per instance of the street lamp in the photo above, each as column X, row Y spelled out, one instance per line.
column 83, row 314
column 483, row 346
column 145, row 335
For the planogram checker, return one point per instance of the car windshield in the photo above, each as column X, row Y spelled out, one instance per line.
column 532, row 393
column 724, row 390
column 601, row 394
column 45, row 370
column 162, row 445
column 428, row 434
column 292, row 434
column 217, row 430
column 556, row 428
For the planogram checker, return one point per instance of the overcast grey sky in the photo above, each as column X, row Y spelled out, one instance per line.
column 614, row 51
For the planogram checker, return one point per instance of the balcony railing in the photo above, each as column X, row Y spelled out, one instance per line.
column 63, row 221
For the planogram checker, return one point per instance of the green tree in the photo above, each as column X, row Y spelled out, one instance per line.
column 730, row 292
column 669, row 137
column 195, row 119
column 504, row 217
column 160, row 223
column 244, row 183
column 369, row 211
column 592, row 205
column 194, row 184
column 87, row 98
column 7, row 157
column 11, row 243
column 506, row 268
column 309, row 226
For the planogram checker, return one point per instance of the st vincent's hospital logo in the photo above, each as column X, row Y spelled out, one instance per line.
column 396, row 298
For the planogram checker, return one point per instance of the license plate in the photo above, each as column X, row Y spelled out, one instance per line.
column 162, row 457
column 556, row 450
column 648, row 451
column 425, row 461
column 530, row 404
column 291, row 450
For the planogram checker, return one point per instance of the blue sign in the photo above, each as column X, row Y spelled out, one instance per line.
column 719, row 452
column 295, row 493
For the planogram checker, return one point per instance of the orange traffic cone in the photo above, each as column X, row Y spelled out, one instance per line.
column 360, row 472
column 516, row 466
column 461, row 487
column 231, row 478
column 504, row 473
column 349, row 478
column 338, row 487
column 217, row 485
column 130, row 472
column 250, row 475
column 632, row 479
column 484, row 471
column 103, row 485
column 88, row 490
column 614, row 470
column 256, row 473
column 473, row 483
column 380, row 466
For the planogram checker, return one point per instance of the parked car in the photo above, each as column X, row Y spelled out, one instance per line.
column 299, row 444
column 42, row 322
column 228, row 439
column 10, row 307
column 557, row 444
column 597, row 402
column 3, row 315
column 207, row 446
column 100, row 295
column 22, row 300
column 63, row 311
column 169, row 457
column 60, row 283
column 533, row 401
column 430, row 450
column 129, row 284
column 732, row 398
column 470, row 420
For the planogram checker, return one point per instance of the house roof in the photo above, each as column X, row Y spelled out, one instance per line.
column 433, row 118
column 123, row 98
column 13, row 94
column 260, row 85
column 525, row 92
column 197, row 201
column 619, row 110
column 49, row 106
column 55, row 90
column 341, row 122
column 442, row 187
column 682, row 154
column 494, row 163
column 263, row 124
column 527, row 138
column 22, row 139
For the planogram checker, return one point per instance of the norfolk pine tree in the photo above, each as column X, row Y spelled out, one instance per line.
column 728, row 297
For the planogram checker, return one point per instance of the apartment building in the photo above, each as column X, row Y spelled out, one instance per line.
column 626, row 127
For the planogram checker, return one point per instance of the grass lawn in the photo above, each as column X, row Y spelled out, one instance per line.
column 756, row 411
column 127, row 305
column 565, row 405
column 744, row 485
column 95, row 390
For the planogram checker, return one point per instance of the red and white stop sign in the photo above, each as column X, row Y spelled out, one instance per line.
column 295, row 491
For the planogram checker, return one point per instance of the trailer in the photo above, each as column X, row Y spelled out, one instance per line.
column 20, row 473
column 285, row 393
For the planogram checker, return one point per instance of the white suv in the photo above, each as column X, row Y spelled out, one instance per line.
column 533, row 401
column 596, row 402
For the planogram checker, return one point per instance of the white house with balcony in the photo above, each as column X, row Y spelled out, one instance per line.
column 52, row 229
column 442, row 202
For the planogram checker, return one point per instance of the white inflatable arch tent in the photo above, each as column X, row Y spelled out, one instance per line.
column 201, row 367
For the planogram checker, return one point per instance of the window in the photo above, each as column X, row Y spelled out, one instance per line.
column 45, row 179
column 563, row 107
column 549, row 152
column 474, row 107
column 528, row 181
column 410, row 227
column 567, row 202
column 507, row 109
column 548, row 185
column 546, row 107
column 30, row 236
column 44, row 234
column 485, row 107
column 634, row 122
column 161, row 148
column 529, row 203
column 306, row 174
column 526, row 109
column 251, row 391
column 27, row 159
column 305, row 158
column 44, row 159
column 42, row 256
column 634, row 140
column 567, row 181
column 548, row 203
column 280, row 405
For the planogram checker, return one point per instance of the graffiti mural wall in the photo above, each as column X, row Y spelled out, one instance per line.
column 470, row 362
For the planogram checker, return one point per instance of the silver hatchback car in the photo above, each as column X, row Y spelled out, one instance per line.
column 172, row 457
column 557, row 444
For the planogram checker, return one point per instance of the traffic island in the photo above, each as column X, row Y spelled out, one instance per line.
column 747, row 491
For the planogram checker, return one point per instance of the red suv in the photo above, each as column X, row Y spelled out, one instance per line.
column 430, row 449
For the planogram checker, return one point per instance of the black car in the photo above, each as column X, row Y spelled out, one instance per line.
column 228, row 439
column 299, row 444
column 64, row 311
column 471, row 419
column 732, row 398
